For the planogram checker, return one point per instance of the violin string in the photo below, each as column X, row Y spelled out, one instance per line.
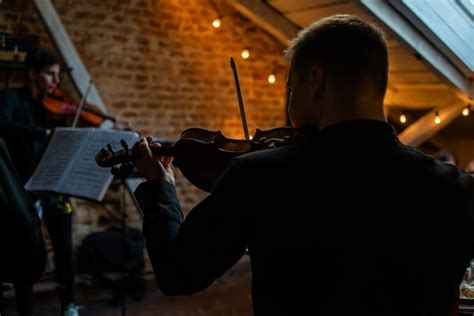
column 81, row 104
column 239, row 98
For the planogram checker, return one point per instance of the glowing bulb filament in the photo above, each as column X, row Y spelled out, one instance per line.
column 403, row 118
column 437, row 118
column 245, row 54
column 465, row 111
column 216, row 23
column 271, row 78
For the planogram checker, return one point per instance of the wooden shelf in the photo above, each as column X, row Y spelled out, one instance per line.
column 9, row 56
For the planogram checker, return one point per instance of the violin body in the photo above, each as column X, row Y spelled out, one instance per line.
column 202, row 155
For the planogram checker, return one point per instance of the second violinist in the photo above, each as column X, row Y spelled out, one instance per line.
column 25, row 125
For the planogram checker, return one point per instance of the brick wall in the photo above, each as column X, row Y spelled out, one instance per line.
column 162, row 65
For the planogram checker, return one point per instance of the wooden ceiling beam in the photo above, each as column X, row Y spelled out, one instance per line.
column 393, row 116
column 425, row 127
column 267, row 18
column 420, row 86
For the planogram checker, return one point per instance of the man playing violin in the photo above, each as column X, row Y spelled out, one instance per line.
column 25, row 125
column 371, row 239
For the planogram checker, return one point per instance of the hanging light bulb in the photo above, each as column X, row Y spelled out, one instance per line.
column 403, row 118
column 216, row 23
column 271, row 78
column 437, row 118
column 245, row 53
column 466, row 110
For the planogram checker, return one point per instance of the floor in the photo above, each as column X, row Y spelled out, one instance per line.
column 229, row 296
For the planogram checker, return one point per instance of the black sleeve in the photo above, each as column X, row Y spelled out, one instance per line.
column 188, row 256
column 10, row 128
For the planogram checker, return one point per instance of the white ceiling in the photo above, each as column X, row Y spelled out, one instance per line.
column 448, row 24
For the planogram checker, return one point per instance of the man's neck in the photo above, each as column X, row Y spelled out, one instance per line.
column 35, row 91
column 342, row 112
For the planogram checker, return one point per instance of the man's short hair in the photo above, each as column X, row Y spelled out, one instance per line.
column 39, row 59
column 350, row 51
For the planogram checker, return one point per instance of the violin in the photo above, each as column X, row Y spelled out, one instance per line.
column 61, row 106
column 201, row 155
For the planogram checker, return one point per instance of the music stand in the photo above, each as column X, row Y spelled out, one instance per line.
column 130, row 181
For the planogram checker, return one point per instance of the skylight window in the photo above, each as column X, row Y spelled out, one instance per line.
column 468, row 7
column 449, row 24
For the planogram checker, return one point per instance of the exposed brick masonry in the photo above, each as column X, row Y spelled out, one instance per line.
column 163, row 66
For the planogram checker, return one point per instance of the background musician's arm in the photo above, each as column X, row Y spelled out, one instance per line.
column 9, row 127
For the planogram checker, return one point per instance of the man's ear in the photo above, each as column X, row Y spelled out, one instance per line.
column 316, row 80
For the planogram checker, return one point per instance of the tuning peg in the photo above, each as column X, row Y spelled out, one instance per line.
column 109, row 148
column 124, row 144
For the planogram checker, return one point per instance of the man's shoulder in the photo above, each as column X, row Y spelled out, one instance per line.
column 431, row 168
column 272, row 157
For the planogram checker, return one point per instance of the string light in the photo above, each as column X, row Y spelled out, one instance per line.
column 217, row 23
column 466, row 110
column 272, row 78
column 437, row 118
column 245, row 53
column 403, row 118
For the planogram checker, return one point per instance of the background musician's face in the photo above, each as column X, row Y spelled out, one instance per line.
column 47, row 79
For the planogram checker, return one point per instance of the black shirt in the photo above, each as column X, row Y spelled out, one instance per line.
column 346, row 221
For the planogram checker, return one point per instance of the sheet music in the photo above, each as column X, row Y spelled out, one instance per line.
column 87, row 177
column 63, row 146
column 68, row 165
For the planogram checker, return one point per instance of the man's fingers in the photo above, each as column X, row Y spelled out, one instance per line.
column 143, row 147
column 167, row 160
column 155, row 144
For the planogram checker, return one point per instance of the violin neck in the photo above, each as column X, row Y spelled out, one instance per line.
column 162, row 151
column 98, row 113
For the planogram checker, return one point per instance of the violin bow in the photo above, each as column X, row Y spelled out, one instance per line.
column 81, row 104
column 239, row 98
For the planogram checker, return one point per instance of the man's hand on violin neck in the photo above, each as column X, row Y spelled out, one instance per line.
column 150, row 167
